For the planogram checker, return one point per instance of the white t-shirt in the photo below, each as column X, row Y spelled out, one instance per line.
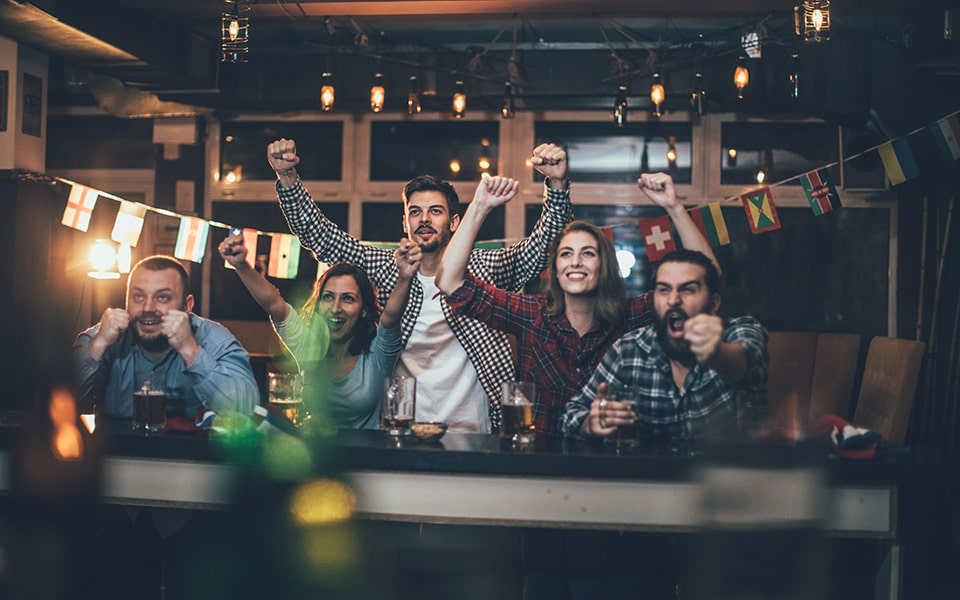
column 448, row 388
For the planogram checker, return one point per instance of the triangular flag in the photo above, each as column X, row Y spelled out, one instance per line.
column 284, row 256
column 79, row 207
column 898, row 161
column 657, row 237
column 709, row 220
column 250, row 237
column 946, row 133
column 129, row 223
column 761, row 212
column 608, row 231
column 821, row 194
column 192, row 239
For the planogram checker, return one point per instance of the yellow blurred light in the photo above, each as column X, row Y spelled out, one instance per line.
column 327, row 93
column 454, row 166
column 378, row 94
column 66, row 443
column 322, row 502
column 483, row 163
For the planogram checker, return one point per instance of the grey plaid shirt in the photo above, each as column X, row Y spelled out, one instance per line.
column 508, row 268
column 707, row 405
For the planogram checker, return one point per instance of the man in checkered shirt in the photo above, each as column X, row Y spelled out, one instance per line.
column 459, row 362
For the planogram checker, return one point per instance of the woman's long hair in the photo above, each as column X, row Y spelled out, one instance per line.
column 611, row 292
column 366, row 327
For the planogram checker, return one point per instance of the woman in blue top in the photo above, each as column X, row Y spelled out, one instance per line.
column 343, row 310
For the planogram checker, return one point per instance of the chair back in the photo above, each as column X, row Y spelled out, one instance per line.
column 888, row 386
column 834, row 375
column 791, row 360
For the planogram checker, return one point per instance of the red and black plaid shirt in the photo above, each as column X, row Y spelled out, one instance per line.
column 551, row 353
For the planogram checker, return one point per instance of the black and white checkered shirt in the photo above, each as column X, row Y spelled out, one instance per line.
column 509, row 268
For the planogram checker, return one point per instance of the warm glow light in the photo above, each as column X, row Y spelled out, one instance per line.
column 484, row 163
column 234, row 29
column 322, row 502
column 454, row 166
column 327, row 92
column 761, row 176
column 741, row 78
column 378, row 94
column 732, row 153
column 103, row 260
column 67, row 443
column 672, row 155
column 812, row 20
column 459, row 100
column 657, row 94
column 507, row 105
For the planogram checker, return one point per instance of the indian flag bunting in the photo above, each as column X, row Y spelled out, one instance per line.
column 820, row 193
column 192, row 239
column 129, row 223
column 79, row 207
column 946, row 133
column 657, row 237
column 709, row 220
column 898, row 161
column 284, row 256
column 761, row 212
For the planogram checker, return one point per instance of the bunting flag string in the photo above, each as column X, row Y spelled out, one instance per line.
column 937, row 146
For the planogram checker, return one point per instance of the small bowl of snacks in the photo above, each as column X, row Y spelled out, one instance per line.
column 428, row 431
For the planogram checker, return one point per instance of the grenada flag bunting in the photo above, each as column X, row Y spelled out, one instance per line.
column 657, row 237
column 284, row 256
column 129, row 223
column 79, row 207
column 761, row 213
column 192, row 239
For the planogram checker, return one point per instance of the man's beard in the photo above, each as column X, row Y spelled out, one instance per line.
column 156, row 343
column 439, row 239
column 677, row 349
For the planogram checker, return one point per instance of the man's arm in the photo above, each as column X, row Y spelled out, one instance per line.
column 660, row 189
column 222, row 371
column 316, row 232
column 491, row 193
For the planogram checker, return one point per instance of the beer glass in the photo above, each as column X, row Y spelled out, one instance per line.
column 285, row 394
column 516, row 402
column 399, row 404
column 149, row 404
column 626, row 436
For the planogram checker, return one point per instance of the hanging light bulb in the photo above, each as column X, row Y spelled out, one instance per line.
column 103, row 260
column 413, row 96
column 507, row 105
column 620, row 106
column 459, row 100
column 795, row 77
column 812, row 20
column 741, row 77
column 672, row 151
column 327, row 92
column 234, row 31
column 657, row 95
column 377, row 94
column 698, row 94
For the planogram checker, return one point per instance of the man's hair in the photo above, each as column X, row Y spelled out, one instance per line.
column 611, row 292
column 429, row 183
column 711, row 277
column 162, row 262
column 366, row 328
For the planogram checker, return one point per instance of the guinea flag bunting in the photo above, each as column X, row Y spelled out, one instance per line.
column 129, row 223
column 898, row 161
column 821, row 194
column 284, row 256
column 946, row 133
column 709, row 220
column 761, row 213
column 192, row 239
column 657, row 237
column 79, row 207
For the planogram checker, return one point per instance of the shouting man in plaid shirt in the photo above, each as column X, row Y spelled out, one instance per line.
column 693, row 371
column 459, row 362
